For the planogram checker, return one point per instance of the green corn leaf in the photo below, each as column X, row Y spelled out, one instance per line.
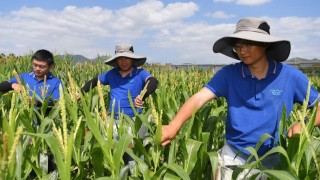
column 190, row 125
column 58, row 154
column 253, row 153
column 281, row 128
column 178, row 170
column 293, row 149
column 214, row 162
column 97, row 160
column 263, row 138
column 170, row 176
column 106, row 178
column 277, row 174
column 95, row 131
column 159, row 174
column 132, row 104
column 192, row 150
column 143, row 168
column 19, row 160
column 173, row 148
column 139, row 148
column 119, row 150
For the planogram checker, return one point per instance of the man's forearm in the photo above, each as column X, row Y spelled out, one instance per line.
column 90, row 84
column 185, row 112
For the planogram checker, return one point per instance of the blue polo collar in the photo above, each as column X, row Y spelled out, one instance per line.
column 49, row 75
column 271, row 69
column 131, row 74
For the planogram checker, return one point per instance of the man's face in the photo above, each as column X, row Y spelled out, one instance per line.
column 40, row 68
column 124, row 63
column 250, row 52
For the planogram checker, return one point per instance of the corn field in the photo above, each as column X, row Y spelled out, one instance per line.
column 75, row 139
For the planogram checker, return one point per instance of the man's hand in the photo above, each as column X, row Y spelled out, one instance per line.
column 138, row 102
column 294, row 129
column 78, row 96
column 16, row 86
column 167, row 135
column 34, row 103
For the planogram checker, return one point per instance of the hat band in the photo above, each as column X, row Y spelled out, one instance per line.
column 251, row 30
column 123, row 51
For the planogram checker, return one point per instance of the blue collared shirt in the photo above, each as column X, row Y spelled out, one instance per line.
column 120, row 86
column 255, row 106
column 50, row 87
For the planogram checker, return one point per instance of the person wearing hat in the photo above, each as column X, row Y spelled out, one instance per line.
column 256, row 90
column 123, row 77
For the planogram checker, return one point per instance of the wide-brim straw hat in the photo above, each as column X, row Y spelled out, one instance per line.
column 253, row 29
column 126, row 50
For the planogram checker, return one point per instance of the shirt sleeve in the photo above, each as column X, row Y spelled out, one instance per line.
column 56, row 91
column 13, row 80
column 301, row 90
column 144, row 75
column 104, row 78
column 22, row 77
column 218, row 83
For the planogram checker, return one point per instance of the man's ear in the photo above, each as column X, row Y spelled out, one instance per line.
column 51, row 67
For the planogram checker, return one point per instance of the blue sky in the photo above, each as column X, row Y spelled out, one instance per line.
column 164, row 31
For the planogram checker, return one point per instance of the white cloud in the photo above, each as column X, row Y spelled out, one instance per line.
column 160, row 32
column 220, row 15
column 224, row 1
column 252, row 2
column 244, row 2
column 83, row 30
column 193, row 42
column 150, row 15
column 72, row 29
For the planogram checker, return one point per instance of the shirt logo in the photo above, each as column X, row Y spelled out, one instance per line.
column 276, row 92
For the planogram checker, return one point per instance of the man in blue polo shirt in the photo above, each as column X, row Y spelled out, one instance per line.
column 40, row 80
column 256, row 90
column 125, row 77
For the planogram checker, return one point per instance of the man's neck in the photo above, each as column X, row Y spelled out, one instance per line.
column 126, row 72
column 260, row 69
column 39, row 78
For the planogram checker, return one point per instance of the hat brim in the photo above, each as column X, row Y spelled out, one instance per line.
column 279, row 49
column 137, row 59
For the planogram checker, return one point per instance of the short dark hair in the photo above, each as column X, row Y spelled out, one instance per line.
column 43, row 55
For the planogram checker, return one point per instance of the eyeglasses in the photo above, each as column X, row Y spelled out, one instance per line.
column 39, row 66
column 246, row 45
